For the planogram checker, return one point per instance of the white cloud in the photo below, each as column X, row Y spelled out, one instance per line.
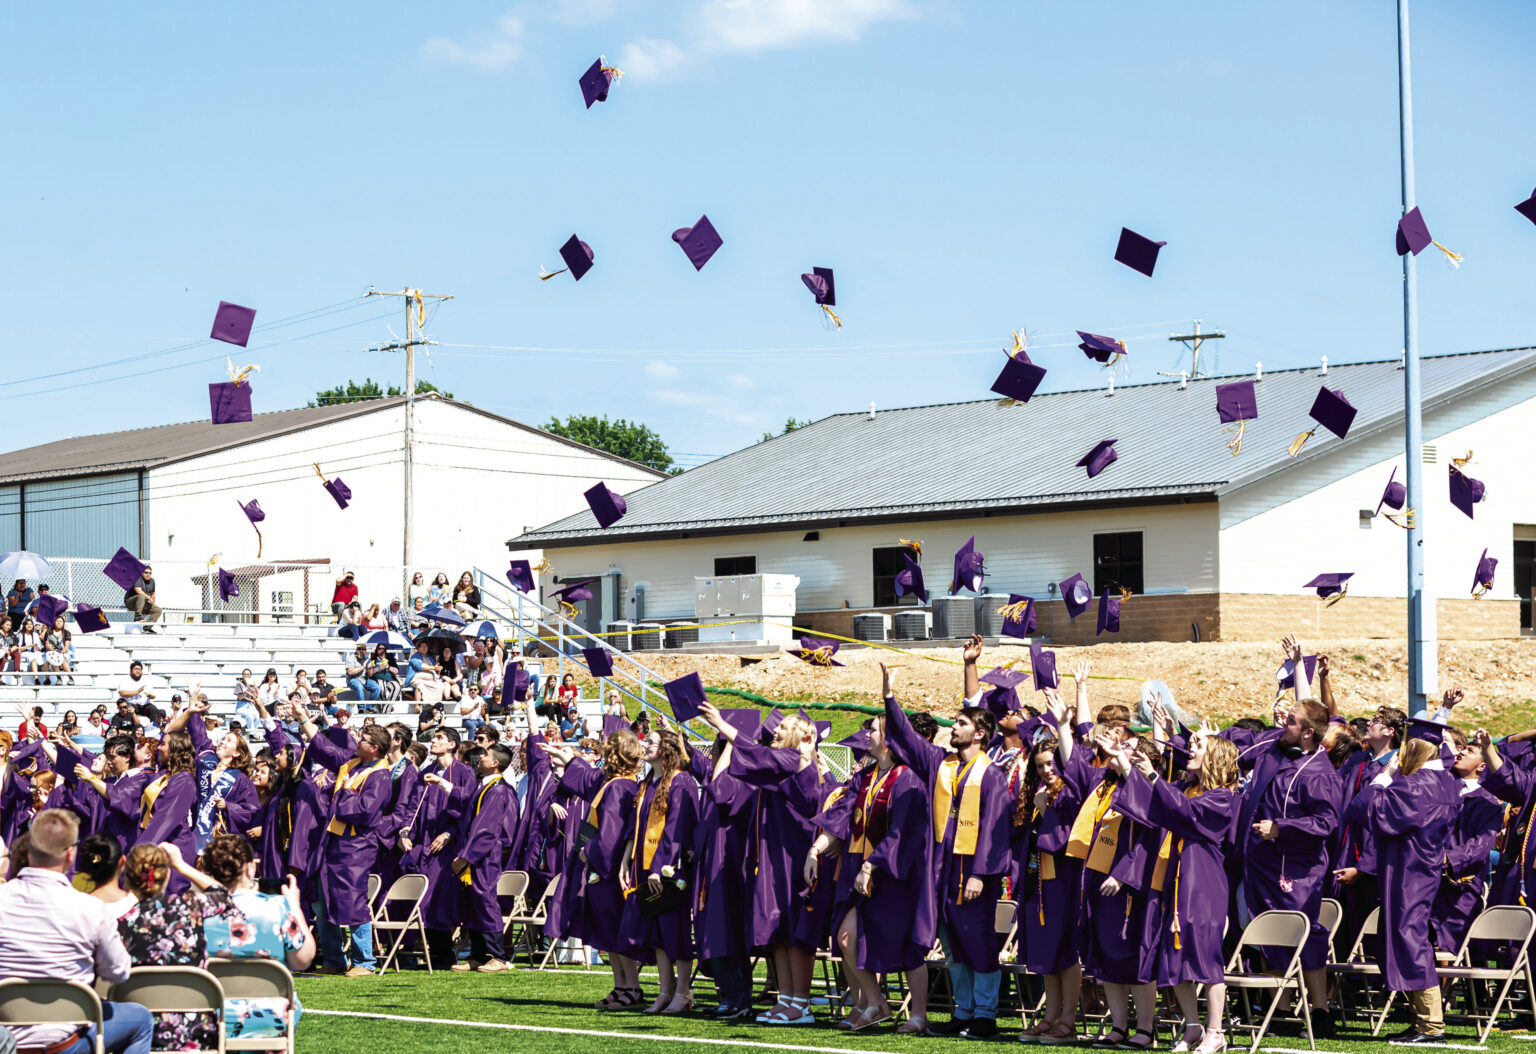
column 485, row 50
column 652, row 59
column 741, row 380
column 662, row 371
column 751, row 25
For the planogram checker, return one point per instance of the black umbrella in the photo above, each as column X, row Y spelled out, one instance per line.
column 440, row 638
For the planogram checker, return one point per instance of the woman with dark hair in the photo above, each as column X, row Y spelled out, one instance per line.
column 453, row 680
column 438, row 592
column 226, row 797
column 98, row 871
column 170, row 800
column 272, row 830
column 69, row 725
column 380, row 670
column 56, row 639
column 466, row 596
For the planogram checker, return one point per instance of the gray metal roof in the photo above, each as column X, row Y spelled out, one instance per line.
column 152, row 447
column 957, row 459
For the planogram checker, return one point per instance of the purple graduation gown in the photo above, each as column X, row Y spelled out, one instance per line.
column 787, row 799
column 439, row 812
column 1459, row 899
column 1194, row 894
column 588, row 910
column 1514, row 880
column 972, row 925
column 404, row 796
column 125, row 798
column 1049, row 921
column 1119, row 933
column 172, row 819
column 241, row 799
column 671, row 931
column 489, row 821
column 1301, row 794
column 1412, row 817
column 347, row 858
column 723, row 902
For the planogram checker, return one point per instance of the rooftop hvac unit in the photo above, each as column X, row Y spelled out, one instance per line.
column 985, row 611
column 619, row 635
column 676, row 638
column 647, row 636
column 953, row 617
column 910, row 625
column 873, row 626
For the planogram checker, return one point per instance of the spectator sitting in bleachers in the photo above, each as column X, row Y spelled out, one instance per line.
column 11, row 661
column 615, row 704
column 344, row 594
column 323, row 692
column 417, row 619
column 417, row 588
column 99, row 722
column 57, row 646
column 352, row 624
column 453, row 681
column 357, row 675
column 30, row 643
column 270, row 692
column 32, row 726
column 383, row 674
column 439, row 591
column 135, row 690
column 246, row 695
column 140, row 600
column 429, row 721
column 422, row 681
column 19, row 600
column 374, row 620
column 397, row 618
column 125, row 720
column 69, row 725
column 466, row 596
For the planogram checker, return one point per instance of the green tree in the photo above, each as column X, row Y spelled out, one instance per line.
column 627, row 439
column 789, row 426
column 353, row 392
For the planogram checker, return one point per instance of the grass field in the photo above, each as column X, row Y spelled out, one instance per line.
column 553, row 1011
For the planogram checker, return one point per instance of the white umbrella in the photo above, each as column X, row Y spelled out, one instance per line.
column 22, row 564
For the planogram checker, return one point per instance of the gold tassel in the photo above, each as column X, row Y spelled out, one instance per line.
column 1479, row 590
column 1125, row 595
column 1235, row 444
column 320, row 473
column 833, row 316
column 1454, row 259
column 1343, row 589
column 1300, row 441
column 1020, row 342
column 915, row 545
column 1459, row 463
column 1005, row 403
column 545, row 276
column 239, row 376
column 1404, row 519
column 1013, row 612
column 614, row 72
column 568, row 610
column 543, row 567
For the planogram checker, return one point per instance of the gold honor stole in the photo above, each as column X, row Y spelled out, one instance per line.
column 597, row 800
column 1160, row 869
column 346, row 778
column 877, row 795
column 468, row 876
column 147, row 801
column 655, row 825
column 1096, row 831
column 968, row 813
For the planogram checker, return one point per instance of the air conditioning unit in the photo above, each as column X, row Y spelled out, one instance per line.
column 873, row 626
column 911, row 625
column 953, row 617
column 647, row 636
column 619, row 635
column 676, row 638
column 985, row 612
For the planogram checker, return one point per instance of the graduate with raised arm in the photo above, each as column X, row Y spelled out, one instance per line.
column 168, row 806
column 226, row 798
column 1412, row 813
column 428, row 841
column 404, row 798
column 1479, row 818
column 722, row 899
column 486, row 829
column 659, row 864
column 969, row 822
column 314, row 764
column 120, row 785
column 1196, row 817
column 884, row 904
column 590, row 899
column 788, row 782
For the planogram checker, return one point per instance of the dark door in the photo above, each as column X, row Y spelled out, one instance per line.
column 1525, row 571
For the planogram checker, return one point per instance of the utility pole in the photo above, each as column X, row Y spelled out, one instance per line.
column 1423, row 633
column 1194, row 340
column 415, row 314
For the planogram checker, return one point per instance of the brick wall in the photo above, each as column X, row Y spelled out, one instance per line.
column 1251, row 616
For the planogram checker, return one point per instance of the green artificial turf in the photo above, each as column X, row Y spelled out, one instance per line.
column 564, row 1000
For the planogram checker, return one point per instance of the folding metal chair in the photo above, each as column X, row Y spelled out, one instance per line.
column 249, row 978
column 374, row 885
column 513, row 885
column 1358, row 965
column 1513, row 925
column 1277, row 931
column 407, row 889
column 38, row 1002
column 175, row 990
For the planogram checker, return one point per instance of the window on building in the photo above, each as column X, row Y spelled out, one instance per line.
column 888, row 564
column 725, row 566
column 1525, row 578
column 1117, row 562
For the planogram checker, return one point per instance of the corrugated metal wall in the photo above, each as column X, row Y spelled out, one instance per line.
column 75, row 517
column 10, row 519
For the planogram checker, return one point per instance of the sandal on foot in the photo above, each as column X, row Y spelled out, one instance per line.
column 674, row 1008
column 912, row 1026
column 1108, row 1040
column 608, row 1002
column 853, row 1022
column 1131, row 1044
column 1062, row 1033
column 663, row 1000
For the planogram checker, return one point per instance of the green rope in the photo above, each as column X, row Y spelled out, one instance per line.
column 761, row 700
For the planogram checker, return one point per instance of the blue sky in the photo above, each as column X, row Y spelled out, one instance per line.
column 965, row 168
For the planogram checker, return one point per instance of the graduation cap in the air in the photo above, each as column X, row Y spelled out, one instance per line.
column 1482, row 579
column 1465, row 491
column 614, row 723
column 1413, row 237
column 1527, row 208
column 1332, row 586
column 747, row 721
column 1432, row 732
column 578, row 257
column 1002, row 697
column 968, row 568
column 49, row 607
column 335, row 487
column 1076, row 594
column 698, row 242
column 1020, row 377
column 1109, row 610
column 607, row 505
column 1394, row 497
column 910, row 579
column 816, row 652
column 686, row 694
column 253, row 513
column 520, row 574
column 514, row 683
column 824, row 289
column 568, row 596
column 1018, row 616
column 1042, row 665
column 124, row 568
column 599, row 661
column 1100, row 457
column 1137, row 252
column 90, row 619
column 1100, row 348
column 1330, row 410
column 1285, row 676
column 232, row 324
column 229, row 402
column 228, row 586
column 1237, row 403
column 597, row 80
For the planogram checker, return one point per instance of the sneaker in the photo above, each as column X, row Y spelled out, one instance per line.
column 953, row 1027
column 463, row 967
column 1416, row 1038
column 359, row 971
column 492, row 966
column 981, row 1028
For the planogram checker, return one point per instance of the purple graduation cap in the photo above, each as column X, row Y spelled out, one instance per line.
column 614, row 723
column 910, row 579
column 49, row 607
column 1019, row 378
column 699, row 242
column 228, row 586
column 1482, row 579
column 823, row 730
column 597, row 80
column 232, row 324
column 229, row 402
column 1004, row 677
column 1527, row 208
column 1042, row 664
column 686, row 694
column 1395, row 496
column 771, row 722
column 514, row 682
column 1237, row 403
column 599, row 661
column 607, row 505
column 577, row 591
column 1465, row 491
column 1076, row 594
column 747, row 722
column 1285, row 676
column 1331, row 410
column 1018, row 616
column 252, row 510
column 520, row 574
column 1137, row 252
column 1100, row 348
column 90, row 619
column 124, row 568
column 578, row 257
column 858, row 742
column 1109, row 612
column 968, row 568
column 1330, row 584
column 335, row 487
column 1413, row 233
column 821, row 285
column 1427, row 730
column 1000, row 700
column 816, row 652
column 1100, row 457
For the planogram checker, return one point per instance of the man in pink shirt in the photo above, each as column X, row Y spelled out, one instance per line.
column 50, row 930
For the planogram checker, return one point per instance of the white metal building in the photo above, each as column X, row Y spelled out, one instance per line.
column 1213, row 545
